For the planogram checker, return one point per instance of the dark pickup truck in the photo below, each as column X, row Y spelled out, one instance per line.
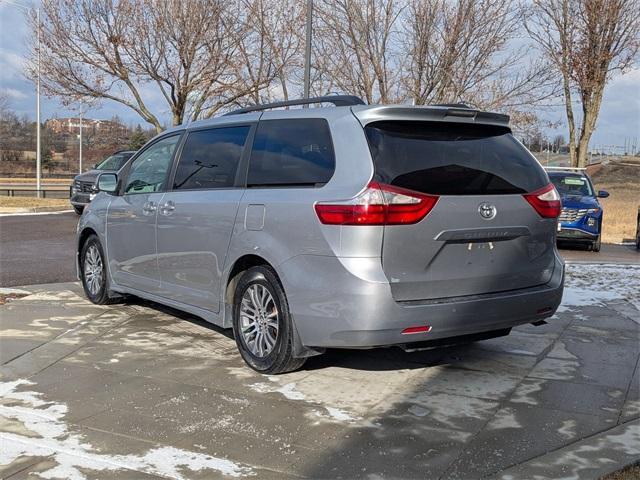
column 81, row 191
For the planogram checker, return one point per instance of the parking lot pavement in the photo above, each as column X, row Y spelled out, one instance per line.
column 140, row 391
column 609, row 254
column 37, row 248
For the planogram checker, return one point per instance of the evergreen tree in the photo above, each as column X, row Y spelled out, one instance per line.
column 46, row 151
column 137, row 139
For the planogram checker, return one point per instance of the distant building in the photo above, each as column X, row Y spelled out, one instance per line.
column 71, row 125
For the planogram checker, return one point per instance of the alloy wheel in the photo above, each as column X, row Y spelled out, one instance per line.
column 259, row 320
column 93, row 275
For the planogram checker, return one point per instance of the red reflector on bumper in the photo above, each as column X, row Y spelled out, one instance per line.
column 412, row 330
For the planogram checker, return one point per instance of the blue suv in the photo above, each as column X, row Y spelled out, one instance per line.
column 581, row 218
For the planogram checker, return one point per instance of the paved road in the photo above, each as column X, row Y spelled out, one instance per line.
column 37, row 249
column 40, row 249
column 619, row 254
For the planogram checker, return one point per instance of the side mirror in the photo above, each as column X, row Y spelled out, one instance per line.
column 107, row 182
column 603, row 194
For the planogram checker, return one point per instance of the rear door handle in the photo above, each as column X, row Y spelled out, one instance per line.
column 149, row 208
column 167, row 208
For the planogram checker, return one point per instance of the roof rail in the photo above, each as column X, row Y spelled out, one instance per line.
column 566, row 169
column 337, row 100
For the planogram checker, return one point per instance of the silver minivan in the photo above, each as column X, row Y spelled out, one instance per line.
column 353, row 226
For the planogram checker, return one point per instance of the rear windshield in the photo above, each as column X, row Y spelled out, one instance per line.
column 572, row 184
column 452, row 158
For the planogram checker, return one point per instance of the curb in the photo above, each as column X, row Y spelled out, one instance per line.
column 22, row 210
column 13, row 291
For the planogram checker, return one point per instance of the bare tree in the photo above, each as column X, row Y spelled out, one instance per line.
column 185, row 48
column 558, row 142
column 128, row 50
column 427, row 51
column 463, row 51
column 354, row 47
column 269, row 49
column 278, row 25
column 586, row 40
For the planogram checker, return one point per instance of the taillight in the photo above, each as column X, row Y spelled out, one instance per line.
column 545, row 201
column 379, row 204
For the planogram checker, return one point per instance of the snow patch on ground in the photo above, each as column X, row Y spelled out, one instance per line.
column 52, row 438
column 332, row 415
column 594, row 284
column 338, row 414
column 568, row 429
column 288, row 390
column 504, row 419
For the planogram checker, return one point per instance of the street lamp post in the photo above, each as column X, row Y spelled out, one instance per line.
column 38, row 156
column 38, row 153
column 80, row 149
column 307, row 50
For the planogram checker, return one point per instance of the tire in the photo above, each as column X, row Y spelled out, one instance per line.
column 595, row 246
column 266, row 344
column 638, row 235
column 78, row 210
column 93, row 266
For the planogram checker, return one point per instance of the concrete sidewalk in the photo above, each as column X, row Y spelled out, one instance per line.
column 140, row 391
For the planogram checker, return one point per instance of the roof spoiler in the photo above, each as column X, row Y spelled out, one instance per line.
column 434, row 113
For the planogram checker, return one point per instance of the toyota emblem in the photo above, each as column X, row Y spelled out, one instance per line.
column 487, row 211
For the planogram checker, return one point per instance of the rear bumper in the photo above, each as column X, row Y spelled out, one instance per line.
column 347, row 302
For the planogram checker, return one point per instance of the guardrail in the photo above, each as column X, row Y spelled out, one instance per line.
column 26, row 192
column 5, row 174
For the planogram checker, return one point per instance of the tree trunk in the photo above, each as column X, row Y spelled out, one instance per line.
column 177, row 118
column 582, row 151
column 573, row 154
column 590, row 108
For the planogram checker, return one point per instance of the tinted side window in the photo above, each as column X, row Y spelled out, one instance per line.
column 210, row 158
column 452, row 158
column 291, row 152
column 148, row 171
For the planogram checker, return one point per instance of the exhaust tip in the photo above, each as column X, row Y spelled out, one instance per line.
column 539, row 323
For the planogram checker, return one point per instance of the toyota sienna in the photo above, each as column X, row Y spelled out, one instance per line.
column 354, row 226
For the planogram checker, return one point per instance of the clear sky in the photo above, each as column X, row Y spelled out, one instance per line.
column 619, row 117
